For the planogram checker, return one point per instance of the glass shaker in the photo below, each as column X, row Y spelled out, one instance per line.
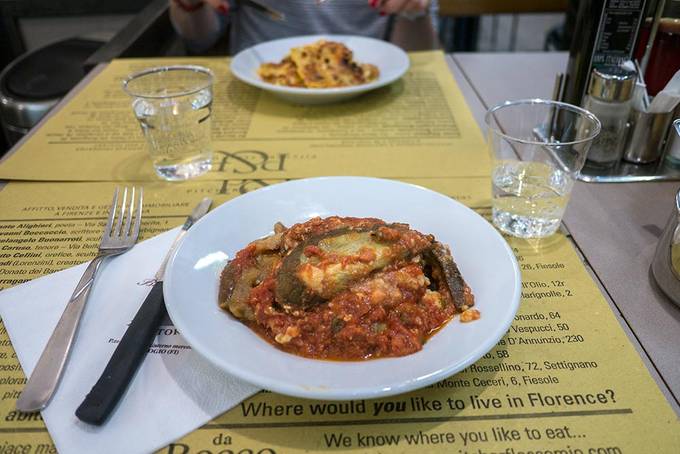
column 609, row 98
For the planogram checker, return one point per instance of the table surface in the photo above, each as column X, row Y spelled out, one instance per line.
column 615, row 227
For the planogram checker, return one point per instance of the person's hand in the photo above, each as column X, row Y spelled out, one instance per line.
column 220, row 6
column 399, row 6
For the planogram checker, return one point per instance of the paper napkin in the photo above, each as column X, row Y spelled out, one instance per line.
column 175, row 390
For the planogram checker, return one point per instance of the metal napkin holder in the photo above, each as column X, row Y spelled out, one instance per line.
column 644, row 152
column 645, row 136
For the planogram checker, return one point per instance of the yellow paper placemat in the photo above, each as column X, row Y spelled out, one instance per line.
column 417, row 126
column 565, row 379
column 46, row 227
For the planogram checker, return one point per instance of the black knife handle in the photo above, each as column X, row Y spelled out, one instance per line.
column 102, row 399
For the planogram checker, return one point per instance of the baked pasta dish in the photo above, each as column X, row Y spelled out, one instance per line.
column 324, row 64
column 345, row 288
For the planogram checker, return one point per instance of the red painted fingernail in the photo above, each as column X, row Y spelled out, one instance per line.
column 372, row 3
column 223, row 9
column 383, row 13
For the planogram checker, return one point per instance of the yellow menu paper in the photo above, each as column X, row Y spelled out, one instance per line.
column 422, row 119
column 46, row 227
column 564, row 380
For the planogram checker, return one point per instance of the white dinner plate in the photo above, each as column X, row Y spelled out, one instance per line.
column 484, row 258
column 390, row 60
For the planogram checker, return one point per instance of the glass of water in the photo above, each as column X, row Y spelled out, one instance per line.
column 538, row 148
column 173, row 106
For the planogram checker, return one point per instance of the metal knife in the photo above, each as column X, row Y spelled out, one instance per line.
column 132, row 349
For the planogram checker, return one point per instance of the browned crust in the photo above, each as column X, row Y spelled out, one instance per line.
column 323, row 64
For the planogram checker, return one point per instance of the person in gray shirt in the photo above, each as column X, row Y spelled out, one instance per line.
column 201, row 23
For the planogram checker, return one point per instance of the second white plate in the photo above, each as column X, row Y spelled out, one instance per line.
column 390, row 60
column 484, row 258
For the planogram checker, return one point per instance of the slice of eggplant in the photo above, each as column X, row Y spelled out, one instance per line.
column 237, row 282
column 295, row 287
column 445, row 273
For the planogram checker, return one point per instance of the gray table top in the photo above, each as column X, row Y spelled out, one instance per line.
column 614, row 226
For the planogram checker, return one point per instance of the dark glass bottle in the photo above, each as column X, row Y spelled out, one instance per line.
column 583, row 40
column 664, row 59
column 605, row 34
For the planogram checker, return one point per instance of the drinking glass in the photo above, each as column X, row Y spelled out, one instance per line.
column 538, row 147
column 173, row 106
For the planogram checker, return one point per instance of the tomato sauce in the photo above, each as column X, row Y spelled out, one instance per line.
column 355, row 324
column 392, row 312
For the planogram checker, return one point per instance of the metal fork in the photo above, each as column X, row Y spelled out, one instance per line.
column 116, row 239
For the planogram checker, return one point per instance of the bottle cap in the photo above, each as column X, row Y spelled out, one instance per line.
column 612, row 83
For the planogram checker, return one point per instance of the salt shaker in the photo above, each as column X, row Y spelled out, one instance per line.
column 609, row 99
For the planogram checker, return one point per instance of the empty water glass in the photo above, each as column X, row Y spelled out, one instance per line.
column 538, row 147
column 173, row 105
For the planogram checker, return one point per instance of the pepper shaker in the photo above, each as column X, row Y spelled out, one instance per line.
column 609, row 99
